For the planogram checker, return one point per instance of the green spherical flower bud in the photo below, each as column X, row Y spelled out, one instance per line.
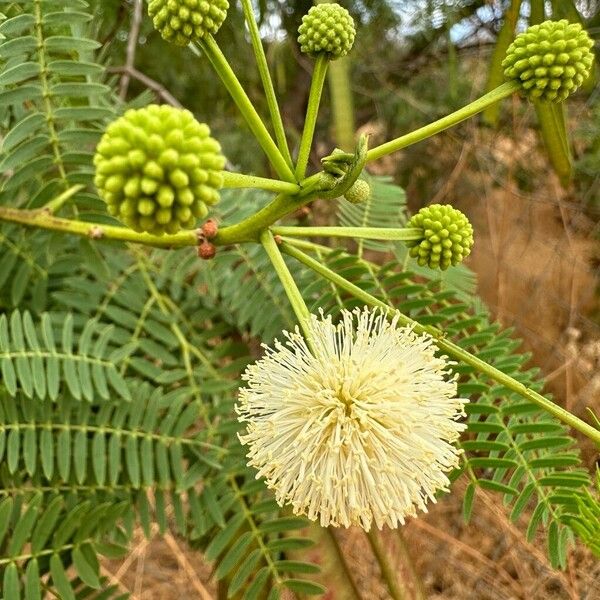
column 447, row 236
column 329, row 29
column 550, row 60
column 185, row 21
column 359, row 192
column 157, row 168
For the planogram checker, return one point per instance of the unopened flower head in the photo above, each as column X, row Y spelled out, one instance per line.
column 185, row 21
column 157, row 169
column 358, row 428
column 550, row 60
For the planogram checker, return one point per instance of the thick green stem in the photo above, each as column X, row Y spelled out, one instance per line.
column 249, row 229
column 450, row 348
column 267, row 82
column 501, row 92
column 235, row 89
column 43, row 219
column 388, row 573
column 289, row 285
column 314, row 101
column 239, row 180
column 368, row 233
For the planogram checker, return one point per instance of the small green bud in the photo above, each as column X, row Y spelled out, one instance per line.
column 359, row 192
column 327, row 28
column 185, row 21
column 447, row 236
column 550, row 60
column 157, row 194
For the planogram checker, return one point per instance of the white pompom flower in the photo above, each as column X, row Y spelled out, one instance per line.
column 357, row 428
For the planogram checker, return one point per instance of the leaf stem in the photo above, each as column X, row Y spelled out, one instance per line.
column 235, row 89
column 263, row 68
column 453, row 350
column 368, row 233
column 289, row 285
column 240, row 180
column 314, row 101
column 501, row 92
column 57, row 203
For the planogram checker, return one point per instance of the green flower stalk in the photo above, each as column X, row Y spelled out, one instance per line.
column 327, row 33
column 447, row 236
column 327, row 29
column 550, row 60
column 183, row 21
column 157, row 169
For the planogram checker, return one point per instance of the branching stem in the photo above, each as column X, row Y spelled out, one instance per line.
column 239, row 96
column 453, row 350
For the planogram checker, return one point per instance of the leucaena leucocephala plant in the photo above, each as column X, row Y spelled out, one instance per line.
column 125, row 395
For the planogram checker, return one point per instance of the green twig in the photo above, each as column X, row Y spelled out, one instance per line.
column 267, row 82
column 43, row 219
column 505, row 90
column 235, row 89
column 450, row 348
column 368, row 233
column 314, row 101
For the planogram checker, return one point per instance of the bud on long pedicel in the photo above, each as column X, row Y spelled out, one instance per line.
column 329, row 29
column 185, row 21
column 550, row 60
column 447, row 236
column 157, row 169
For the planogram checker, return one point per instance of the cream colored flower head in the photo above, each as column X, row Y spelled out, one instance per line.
column 359, row 427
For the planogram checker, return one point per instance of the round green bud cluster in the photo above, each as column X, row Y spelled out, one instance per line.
column 185, row 21
column 550, row 60
column 327, row 28
column 359, row 192
column 447, row 236
column 157, row 168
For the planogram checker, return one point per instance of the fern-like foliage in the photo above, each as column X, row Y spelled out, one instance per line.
column 36, row 365
column 38, row 539
column 240, row 279
column 52, row 101
column 248, row 535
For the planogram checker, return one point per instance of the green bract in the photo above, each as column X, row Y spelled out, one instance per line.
column 327, row 28
column 185, row 21
column 551, row 60
column 359, row 192
column 157, row 168
column 447, row 236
